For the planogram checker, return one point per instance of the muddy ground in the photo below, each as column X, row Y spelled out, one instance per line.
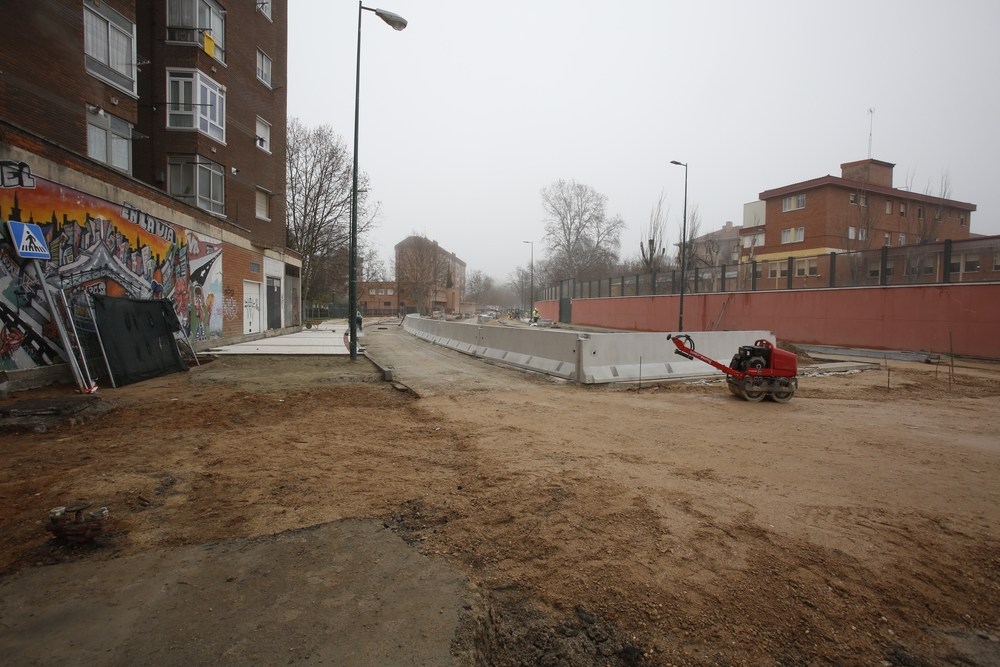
column 858, row 524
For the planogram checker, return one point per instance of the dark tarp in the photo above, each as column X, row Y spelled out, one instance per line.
column 138, row 336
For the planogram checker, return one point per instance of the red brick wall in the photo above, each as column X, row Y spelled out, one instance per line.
column 884, row 318
column 235, row 269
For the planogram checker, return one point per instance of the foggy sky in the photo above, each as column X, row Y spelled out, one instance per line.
column 476, row 106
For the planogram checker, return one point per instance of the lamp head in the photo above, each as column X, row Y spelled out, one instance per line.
column 679, row 164
column 395, row 20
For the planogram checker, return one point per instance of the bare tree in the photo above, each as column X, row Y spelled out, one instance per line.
column 421, row 267
column 923, row 224
column 318, row 196
column 582, row 241
column 519, row 283
column 372, row 269
column 653, row 238
column 480, row 288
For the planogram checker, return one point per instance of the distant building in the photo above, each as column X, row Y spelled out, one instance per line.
column 378, row 299
column 859, row 210
column 428, row 277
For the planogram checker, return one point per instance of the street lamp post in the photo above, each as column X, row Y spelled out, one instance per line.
column 531, row 286
column 680, row 316
column 397, row 22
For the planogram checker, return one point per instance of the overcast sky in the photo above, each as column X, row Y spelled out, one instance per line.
column 476, row 106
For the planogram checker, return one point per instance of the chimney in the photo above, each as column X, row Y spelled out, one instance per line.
column 872, row 172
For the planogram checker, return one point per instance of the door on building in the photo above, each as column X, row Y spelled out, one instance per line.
column 273, row 303
column 251, row 307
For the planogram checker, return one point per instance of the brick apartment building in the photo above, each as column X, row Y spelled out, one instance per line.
column 147, row 139
column 859, row 210
column 378, row 299
column 428, row 277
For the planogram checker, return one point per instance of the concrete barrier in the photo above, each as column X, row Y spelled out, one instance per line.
column 590, row 358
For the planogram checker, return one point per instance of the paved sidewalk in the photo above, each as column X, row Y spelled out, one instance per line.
column 324, row 339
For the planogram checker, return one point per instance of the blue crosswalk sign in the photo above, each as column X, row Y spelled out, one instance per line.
column 29, row 242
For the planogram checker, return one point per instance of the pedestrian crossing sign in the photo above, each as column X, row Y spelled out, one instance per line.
column 29, row 242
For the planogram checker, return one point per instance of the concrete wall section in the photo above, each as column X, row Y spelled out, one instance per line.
column 919, row 317
column 588, row 358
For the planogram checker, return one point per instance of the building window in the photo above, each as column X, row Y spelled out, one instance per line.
column 263, row 210
column 888, row 239
column 874, row 269
column 961, row 220
column 971, row 263
column 888, row 207
column 793, row 203
column 254, row 267
column 371, row 291
column 853, row 199
column 263, row 67
column 800, row 234
column 263, row 138
column 786, row 235
column 264, row 7
column 109, row 45
column 389, row 291
column 902, row 239
column 902, row 210
column 996, row 260
column 109, row 139
column 851, row 233
column 381, row 291
column 920, row 213
column 864, row 200
column 387, row 304
column 210, row 110
column 189, row 20
column 772, row 269
column 806, row 267
column 862, row 233
column 197, row 180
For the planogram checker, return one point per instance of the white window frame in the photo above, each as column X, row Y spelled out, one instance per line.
column 888, row 207
column 793, row 203
column 800, row 234
column 262, row 139
column 786, row 235
column 902, row 209
column 189, row 20
column 853, row 199
column 265, row 196
column 105, row 133
column 371, row 291
column 264, row 67
column 902, row 239
column 888, row 238
column 862, row 233
column 864, row 200
column 389, row 292
column 851, row 233
column 109, row 46
column 206, row 108
column 264, row 7
column 197, row 180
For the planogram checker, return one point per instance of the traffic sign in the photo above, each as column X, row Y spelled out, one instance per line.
column 29, row 242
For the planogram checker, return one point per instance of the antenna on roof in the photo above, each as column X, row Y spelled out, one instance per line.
column 871, row 125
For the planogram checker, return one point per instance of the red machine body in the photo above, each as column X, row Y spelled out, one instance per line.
column 756, row 370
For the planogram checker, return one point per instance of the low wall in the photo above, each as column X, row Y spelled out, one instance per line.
column 589, row 358
column 919, row 317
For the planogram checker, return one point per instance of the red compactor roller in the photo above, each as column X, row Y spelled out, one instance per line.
column 756, row 370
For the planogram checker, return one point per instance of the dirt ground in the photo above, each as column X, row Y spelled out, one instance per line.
column 673, row 525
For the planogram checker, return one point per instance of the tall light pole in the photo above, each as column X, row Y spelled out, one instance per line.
column 684, row 226
column 531, row 286
column 398, row 23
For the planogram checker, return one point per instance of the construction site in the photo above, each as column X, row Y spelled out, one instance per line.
column 425, row 506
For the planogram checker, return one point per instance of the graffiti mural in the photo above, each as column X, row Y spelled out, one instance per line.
column 101, row 247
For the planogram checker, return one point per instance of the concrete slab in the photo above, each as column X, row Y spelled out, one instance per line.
column 895, row 355
column 325, row 339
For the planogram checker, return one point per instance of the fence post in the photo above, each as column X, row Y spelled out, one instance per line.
column 946, row 272
column 695, row 290
column 884, row 261
column 833, row 269
column 753, row 275
column 652, row 288
column 673, row 281
column 723, row 277
column 637, row 284
column 791, row 266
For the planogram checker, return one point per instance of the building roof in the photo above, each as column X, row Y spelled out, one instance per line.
column 860, row 185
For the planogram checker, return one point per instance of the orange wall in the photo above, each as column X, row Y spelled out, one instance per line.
column 886, row 318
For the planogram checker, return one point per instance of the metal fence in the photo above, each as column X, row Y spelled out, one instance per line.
column 338, row 311
column 972, row 260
